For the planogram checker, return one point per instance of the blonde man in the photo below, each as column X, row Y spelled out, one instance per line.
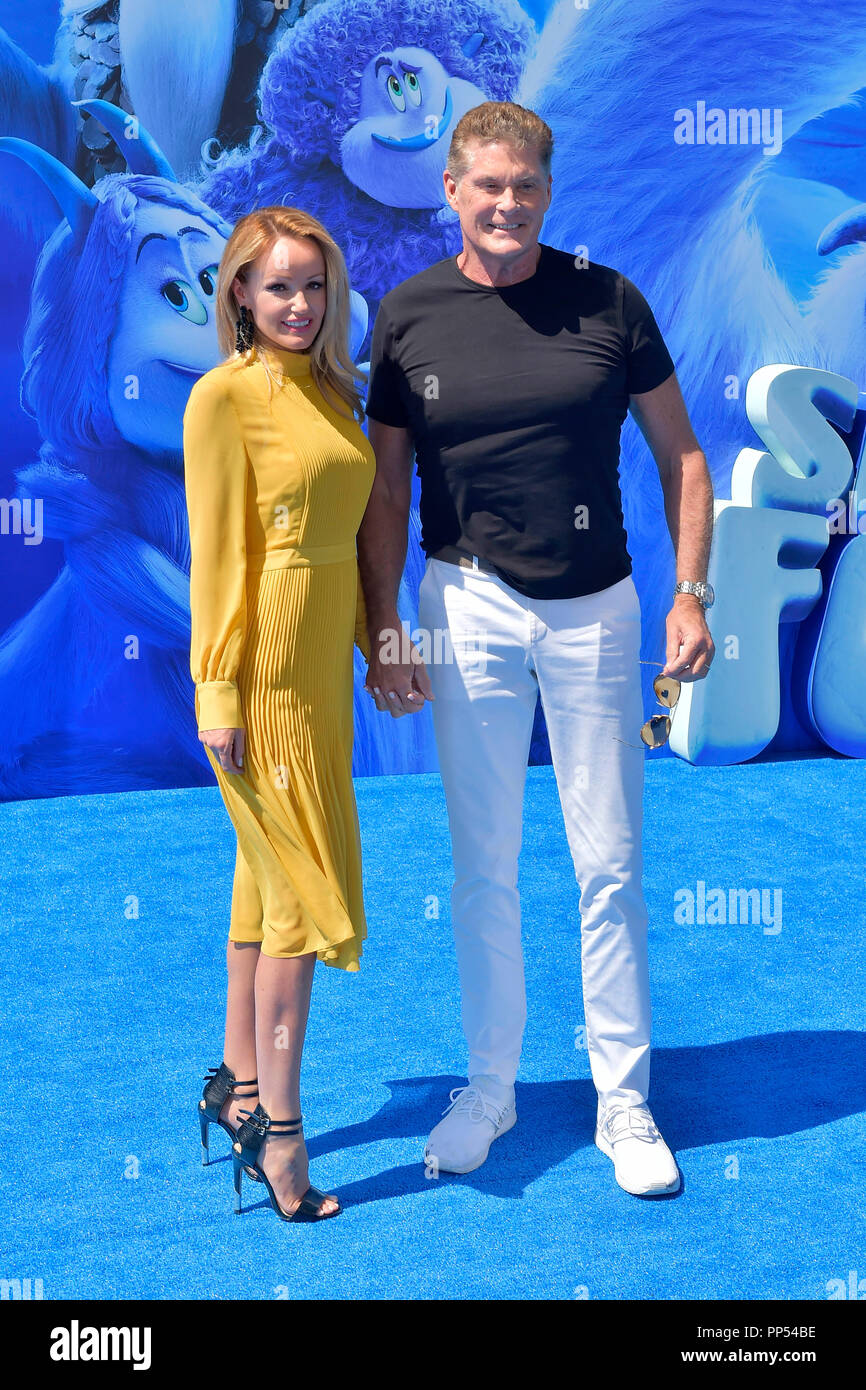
column 509, row 370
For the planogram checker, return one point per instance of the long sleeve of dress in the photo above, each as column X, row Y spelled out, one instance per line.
column 362, row 639
column 215, row 468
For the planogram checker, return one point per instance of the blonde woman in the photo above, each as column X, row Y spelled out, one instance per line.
column 278, row 472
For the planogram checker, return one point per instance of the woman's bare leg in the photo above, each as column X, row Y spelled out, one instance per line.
column 239, row 1048
column 282, row 1006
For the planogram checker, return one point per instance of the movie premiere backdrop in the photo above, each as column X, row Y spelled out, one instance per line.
column 713, row 152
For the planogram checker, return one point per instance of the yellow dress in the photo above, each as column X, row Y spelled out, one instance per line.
column 275, row 493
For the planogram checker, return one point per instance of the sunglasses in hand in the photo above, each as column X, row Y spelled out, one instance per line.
column 657, row 729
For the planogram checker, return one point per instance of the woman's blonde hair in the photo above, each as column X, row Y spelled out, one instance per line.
column 331, row 364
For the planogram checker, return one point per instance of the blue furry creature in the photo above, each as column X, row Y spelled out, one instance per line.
column 835, row 313
column 680, row 219
column 366, row 130
column 95, row 688
column 358, row 103
column 361, row 142
column 363, row 147
column 144, row 56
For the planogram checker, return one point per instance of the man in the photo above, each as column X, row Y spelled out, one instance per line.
column 509, row 369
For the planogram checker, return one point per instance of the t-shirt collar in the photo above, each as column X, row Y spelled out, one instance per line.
column 497, row 289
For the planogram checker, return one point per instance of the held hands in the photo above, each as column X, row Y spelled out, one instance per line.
column 402, row 686
column 690, row 648
column 227, row 745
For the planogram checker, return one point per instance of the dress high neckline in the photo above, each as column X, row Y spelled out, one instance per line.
column 285, row 360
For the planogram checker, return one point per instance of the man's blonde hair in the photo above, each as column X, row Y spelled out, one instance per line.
column 499, row 120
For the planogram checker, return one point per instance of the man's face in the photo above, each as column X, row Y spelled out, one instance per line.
column 501, row 199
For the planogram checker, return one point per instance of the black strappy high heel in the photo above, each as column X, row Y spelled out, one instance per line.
column 220, row 1083
column 245, row 1151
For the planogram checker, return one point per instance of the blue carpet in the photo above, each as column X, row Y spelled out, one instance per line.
column 114, row 916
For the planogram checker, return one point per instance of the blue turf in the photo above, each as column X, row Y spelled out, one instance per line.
column 109, row 1021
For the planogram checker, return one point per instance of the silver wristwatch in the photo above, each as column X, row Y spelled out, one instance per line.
column 702, row 591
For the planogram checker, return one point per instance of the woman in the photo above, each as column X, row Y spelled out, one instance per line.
column 278, row 472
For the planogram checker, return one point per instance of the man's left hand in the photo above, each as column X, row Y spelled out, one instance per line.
column 690, row 647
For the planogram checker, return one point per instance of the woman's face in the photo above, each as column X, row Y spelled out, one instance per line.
column 285, row 292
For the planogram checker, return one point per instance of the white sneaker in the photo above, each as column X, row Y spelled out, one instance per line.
column 477, row 1115
column 643, row 1162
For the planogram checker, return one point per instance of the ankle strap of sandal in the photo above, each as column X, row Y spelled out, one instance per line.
column 214, row 1072
column 279, row 1128
column 260, row 1120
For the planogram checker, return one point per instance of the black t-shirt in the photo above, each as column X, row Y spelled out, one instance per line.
column 515, row 398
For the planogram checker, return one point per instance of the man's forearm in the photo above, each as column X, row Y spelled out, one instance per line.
column 382, row 541
column 688, row 495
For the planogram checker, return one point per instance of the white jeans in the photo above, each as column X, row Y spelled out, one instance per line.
column 582, row 654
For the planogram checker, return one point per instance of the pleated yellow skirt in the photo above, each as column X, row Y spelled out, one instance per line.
column 297, row 881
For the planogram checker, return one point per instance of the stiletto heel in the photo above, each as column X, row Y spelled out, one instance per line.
column 245, row 1152
column 237, row 1172
column 220, row 1083
column 203, row 1125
